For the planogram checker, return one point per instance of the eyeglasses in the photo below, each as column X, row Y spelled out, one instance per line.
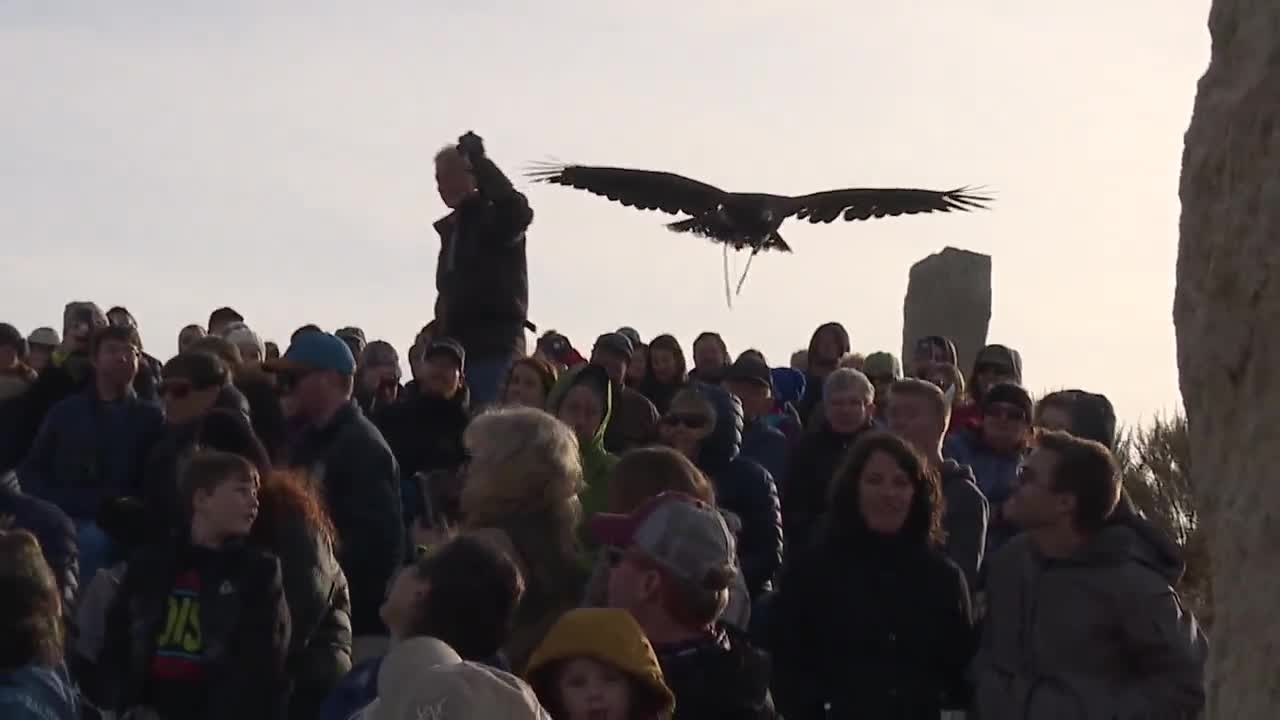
column 693, row 421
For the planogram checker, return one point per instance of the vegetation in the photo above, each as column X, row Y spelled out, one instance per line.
column 1155, row 462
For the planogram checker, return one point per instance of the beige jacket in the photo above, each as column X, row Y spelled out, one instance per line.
column 1100, row 636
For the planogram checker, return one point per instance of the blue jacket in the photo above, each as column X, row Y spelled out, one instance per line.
column 767, row 445
column 88, row 451
column 994, row 473
column 744, row 488
column 38, row 693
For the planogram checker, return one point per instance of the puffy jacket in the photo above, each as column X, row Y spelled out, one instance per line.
column 744, row 488
column 320, row 614
column 244, row 629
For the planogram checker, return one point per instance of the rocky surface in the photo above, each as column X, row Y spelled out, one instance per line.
column 948, row 293
column 1227, row 315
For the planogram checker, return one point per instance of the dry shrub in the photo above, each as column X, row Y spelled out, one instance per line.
column 1155, row 462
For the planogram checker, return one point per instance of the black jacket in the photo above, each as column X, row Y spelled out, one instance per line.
column 244, row 629
column 160, row 472
column 351, row 462
column 721, row 676
column 744, row 488
column 874, row 626
column 482, row 278
column 25, row 413
column 814, row 463
column 813, row 384
column 52, row 528
column 320, row 613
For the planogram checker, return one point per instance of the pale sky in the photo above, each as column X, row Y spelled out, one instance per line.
column 276, row 156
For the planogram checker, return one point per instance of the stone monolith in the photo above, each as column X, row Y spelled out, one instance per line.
column 948, row 293
column 1227, row 315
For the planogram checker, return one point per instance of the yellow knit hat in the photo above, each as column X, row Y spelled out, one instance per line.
column 607, row 635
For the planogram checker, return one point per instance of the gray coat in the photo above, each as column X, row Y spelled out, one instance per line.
column 1098, row 635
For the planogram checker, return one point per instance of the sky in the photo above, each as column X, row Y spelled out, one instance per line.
column 174, row 156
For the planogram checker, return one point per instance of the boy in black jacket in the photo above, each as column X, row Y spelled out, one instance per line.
column 200, row 630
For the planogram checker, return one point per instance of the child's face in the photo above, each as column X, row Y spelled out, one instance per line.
column 591, row 690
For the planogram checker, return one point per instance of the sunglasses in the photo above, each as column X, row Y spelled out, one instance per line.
column 1006, row 413
column 176, row 389
column 693, row 421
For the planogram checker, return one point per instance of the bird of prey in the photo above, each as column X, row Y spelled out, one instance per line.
column 748, row 220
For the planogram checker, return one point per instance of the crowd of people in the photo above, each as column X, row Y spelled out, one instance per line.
column 240, row 533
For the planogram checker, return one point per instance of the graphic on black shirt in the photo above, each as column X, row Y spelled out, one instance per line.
column 180, row 645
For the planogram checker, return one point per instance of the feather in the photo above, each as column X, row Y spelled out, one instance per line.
column 865, row 203
column 641, row 189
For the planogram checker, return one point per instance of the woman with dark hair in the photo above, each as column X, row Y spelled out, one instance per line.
column 34, row 684
column 875, row 621
column 666, row 373
column 293, row 524
column 529, row 382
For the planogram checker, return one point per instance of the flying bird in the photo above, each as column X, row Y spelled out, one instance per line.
column 748, row 220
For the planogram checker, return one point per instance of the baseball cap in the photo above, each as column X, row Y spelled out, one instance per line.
column 316, row 351
column 882, row 365
column 44, row 336
column 749, row 368
column 461, row 690
column 446, row 347
column 686, row 536
column 615, row 343
column 380, row 352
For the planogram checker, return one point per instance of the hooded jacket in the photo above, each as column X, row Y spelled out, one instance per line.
column 597, row 463
column 744, row 488
column 606, row 635
column 813, row 383
column 969, row 413
column 1101, row 634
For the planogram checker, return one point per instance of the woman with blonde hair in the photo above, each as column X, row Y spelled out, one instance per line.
column 521, row 491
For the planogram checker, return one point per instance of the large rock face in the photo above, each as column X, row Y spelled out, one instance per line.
column 1227, row 313
column 949, row 294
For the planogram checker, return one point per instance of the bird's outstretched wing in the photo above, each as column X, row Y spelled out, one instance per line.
column 642, row 189
column 864, row 203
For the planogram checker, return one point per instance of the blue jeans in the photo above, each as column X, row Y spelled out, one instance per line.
column 96, row 550
column 486, row 379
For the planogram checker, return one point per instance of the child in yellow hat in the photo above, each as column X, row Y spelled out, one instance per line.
column 597, row 664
